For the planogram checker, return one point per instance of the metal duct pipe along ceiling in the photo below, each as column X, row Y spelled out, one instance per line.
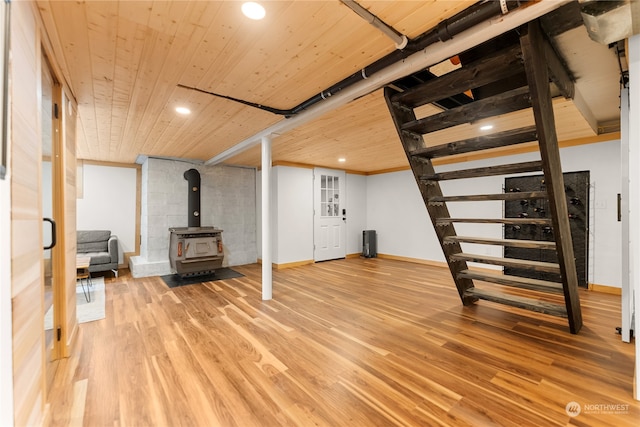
column 471, row 26
column 193, row 203
column 448, row 28
column 399, row 39
column 612, row 20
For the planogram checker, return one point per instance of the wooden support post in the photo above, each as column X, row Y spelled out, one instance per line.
column 558, row 72
column 267, row 278
column 532, row 43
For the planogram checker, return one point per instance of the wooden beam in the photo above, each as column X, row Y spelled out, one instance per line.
column 521, row 195
column 485, row 171
column 500, row 65
column 558, row 70
column 521, row 149
column 515, row 243
column 584, row 109
column 478, row 143
column 510, row 221
column 414, row 80
column 533, row 52
column 524, row 264
column 520, row 302
column 514, row 281
column 513, row 100
column 563, row 19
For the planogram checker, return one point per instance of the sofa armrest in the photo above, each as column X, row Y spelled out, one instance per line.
column 113, row 248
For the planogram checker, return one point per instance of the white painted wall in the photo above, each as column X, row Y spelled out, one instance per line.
column 634, row 191
column 6, row 341
column 396, row 211
column 109, row 203
column 294, row 218
column 605, row 232
column 356, row 204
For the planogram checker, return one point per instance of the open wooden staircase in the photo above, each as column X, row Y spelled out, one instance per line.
column 506, row 75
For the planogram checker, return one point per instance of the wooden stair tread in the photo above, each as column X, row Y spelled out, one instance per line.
column 508, row 262
column 513, row 100
column 523, row 195
column 411, row 81
column 514, row 281
column 506, row 169
column 519, row 302
column 510, row 221
column 491, row 68
column 495, row 95
column 479, row 143
column 533, row 244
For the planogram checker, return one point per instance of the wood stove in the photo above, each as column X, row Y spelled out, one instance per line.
column 195, row 250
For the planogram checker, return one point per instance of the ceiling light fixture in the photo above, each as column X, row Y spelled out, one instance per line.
column 253, row 10
column 183, row 110
column 342, row 160
column 486, row 127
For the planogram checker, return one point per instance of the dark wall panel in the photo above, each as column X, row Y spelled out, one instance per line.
column 577, row 193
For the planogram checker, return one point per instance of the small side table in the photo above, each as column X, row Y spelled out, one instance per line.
column 82, row 273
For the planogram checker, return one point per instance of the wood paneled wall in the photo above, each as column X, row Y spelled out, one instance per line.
column 27, row 43
column 26, row 249
column 69, row 113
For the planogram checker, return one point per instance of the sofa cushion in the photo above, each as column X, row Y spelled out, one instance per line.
column 99, row 257
column 93, row 240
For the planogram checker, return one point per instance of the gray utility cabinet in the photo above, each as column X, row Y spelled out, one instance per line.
column 369, row 244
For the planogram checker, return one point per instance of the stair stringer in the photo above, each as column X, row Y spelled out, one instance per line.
column 428, row 189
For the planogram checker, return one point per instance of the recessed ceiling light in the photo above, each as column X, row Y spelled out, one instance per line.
column 342, row 160
column 183, row 110
column 486, row 127
column 253, row 10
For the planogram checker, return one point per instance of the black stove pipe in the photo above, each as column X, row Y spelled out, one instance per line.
column 193, row 178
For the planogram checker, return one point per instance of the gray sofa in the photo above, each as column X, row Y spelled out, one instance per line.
column 102, row 247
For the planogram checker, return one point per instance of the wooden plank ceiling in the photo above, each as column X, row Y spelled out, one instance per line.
column 123, row 61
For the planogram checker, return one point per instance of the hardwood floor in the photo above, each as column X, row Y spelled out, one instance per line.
column 358, row 342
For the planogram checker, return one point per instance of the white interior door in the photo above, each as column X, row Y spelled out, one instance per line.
column 329, row 219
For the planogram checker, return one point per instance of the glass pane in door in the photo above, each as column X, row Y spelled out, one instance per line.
column 330, row 193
